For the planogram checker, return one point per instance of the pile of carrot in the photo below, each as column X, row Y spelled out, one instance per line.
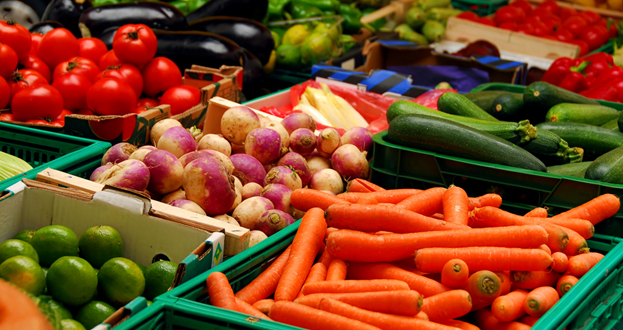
column 419, row 259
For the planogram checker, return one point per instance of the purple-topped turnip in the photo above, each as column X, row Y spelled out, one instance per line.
column 328, row 141
column 250, row 211
column 238, row 184
column 317, row 163
column 129, row 174
column 285, row 136
column 328, row 180
column 215, row 142
column 189, row 157
column 98, row 172
column 248, row 169
column 350, row 162
column 196, row 133
column 223, row 158
column 165, row 171
column 141, row 152
column 285, row 176
column 237, row 122
column 273, row 221
column 297, row 120
column 251, row 189
column 178, row 194
column 207, row 182
column 118, row 153
column 160, row 127
column 237, row 201
column 226, row 218
column 303, row 141
column 360, row 137
column 279, row 195
column 256, row 237
column 188, row 206
column 177, row 141
column 299, row 164
column 264, row 144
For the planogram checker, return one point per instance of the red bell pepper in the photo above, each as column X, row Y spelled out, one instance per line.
column 618, row 84
column 596, row 68
column 568, row 74
column 557, row 71
column 600, row 57
column 609, row 76
column 602, row 92
column 575, row 82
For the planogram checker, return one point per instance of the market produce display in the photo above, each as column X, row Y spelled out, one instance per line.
column 425, row 21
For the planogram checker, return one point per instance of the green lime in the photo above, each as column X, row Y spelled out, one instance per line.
column 53, row 242
column 143, row 268
column 120, row 281
column 72, row 281
column 68, row 324
column 331, row 31
column 99, row 244
column 158, row 278
column 24, row 273
column 25, row 235
column 15, row 247
column 295, row 35
column 62, row 311
column 288, row 56
column 94, row 313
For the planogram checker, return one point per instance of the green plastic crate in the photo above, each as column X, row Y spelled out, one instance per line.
column 42, row 149
column 480, row 7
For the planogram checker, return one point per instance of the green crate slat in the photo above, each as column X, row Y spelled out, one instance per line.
column 480, row 7
column 42, row 149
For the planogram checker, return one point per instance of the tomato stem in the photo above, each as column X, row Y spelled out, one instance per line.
column 133, row 35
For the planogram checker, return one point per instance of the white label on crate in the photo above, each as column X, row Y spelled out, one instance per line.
column 124, row 200
column 349, row 64
column 17, row 187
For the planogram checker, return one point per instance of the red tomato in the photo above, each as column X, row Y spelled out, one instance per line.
column 147, row 102
column 35, row 40
column 57, row 46
column 24, row 79
column 181, row 98
column 591, row 16
column 85, row 112
column 38, row 102
column 594, row 36
column 108, row 59
column 142, row 109
column 135, row 44
column 566, row 12
column 160, row 74
column 16, row 36
column 35, row 63
column 5, row 93
column 6, row 116
column 583, row 46
column 551, row 21
column 563, row 35
column 38, row 122
column 92, row 48
column 550, row 37
column 508, row 26
column 509, row 14
column 61, row 118
column 126, row 72
column 613, row 31
column 78, row 65
column 525, row 29
column 539, row 12
column 74, row 88
column 524, row 5
column 486, row 21
column 468, row 15
column 8, row 61
column 575, row 25
column 110, row 96
column 550, row 5
column 540, row 29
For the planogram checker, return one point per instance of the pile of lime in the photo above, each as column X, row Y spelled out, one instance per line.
column 81, row 281
column 305, row 44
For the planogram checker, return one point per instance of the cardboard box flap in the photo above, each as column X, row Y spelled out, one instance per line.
column 124, row 199
column 123, row 313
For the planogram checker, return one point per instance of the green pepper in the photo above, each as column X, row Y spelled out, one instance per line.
column 195, row 4
column 379, row 23
column 304, row 11
column 323, row 5
column 97, row 3
column 276, row 9
column 352, row 16
column 181, row 5
column 328, row 13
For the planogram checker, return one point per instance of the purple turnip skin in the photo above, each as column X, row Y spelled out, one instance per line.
column 303, row 141
column 207, row 182
column 129, row 174
column 317, row 163
column 283, row 134
column 327, row 180
column 251, row 189
column 350, row 162
column 298, row 120
column 285, row 176
column 178, row 194
column 189, row 157
column 237, row 122
column 118, row 153
column 273, row 221
column 165, row 172
column 279, row 195
column 248, row 169
column 250, row 211
column 264, row 144
column 98, row 172
column 359, row 137
column 141, row 152
column 177, row 141
column 299, row 164
column 160, row 127
column 187, row 205
column 215, row 142
column 328, row 141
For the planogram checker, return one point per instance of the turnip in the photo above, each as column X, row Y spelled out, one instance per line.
column 248, row 169
column 303, row 141
column 178, row 194
column 285, row 176
column 279, row 195
column 118, row 153
column 269, row 167
column 237, row 201
column 141, row 152
column 177, row 141
column 237, row 184
column 187, row 205
column 264, row 144
column 328, row 141
column 227, row 218
column 223, row 158
column 207, row 182
column 264, row 121
column 237, row 122
column 350, row 162
column 328, row 192
column 160, row 127
column 196, row 133
column 327, row 179
column 285, row 136
column 165, row 171
column 299, row 164
column 273, row 221
column 298, row 214
column 129, row 174
column 298, row 120
column 317, row 163
column 189, row 157
column 256, row 237
column 98, row 172
column 215, row 142
column 360, row 137
column 251, row 189
column 250, row 211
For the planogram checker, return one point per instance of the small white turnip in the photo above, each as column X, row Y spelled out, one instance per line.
column 215, row 142
column 118, row 153
column 237, row 122
column 251, row 189
column 250, row 211
column 160, row 127
column 188, row 206
column 129, row 174
column 285, row 176
column 327, row 179
column 350, row 162
column 177, row 141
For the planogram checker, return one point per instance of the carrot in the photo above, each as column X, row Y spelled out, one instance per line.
column 565, row 283
column 529, row 320
column 326, row 257
column 577, row 244
column 367, row 199
column 310, row 318
column 329, row 231
column 455, row 205
column 505, row 282
column 454, row 273
column 583, row 227
column 595, row 210
column 459, row 324
column 431, row 260
column 381, row 320
column 351, row 286
column 393, row 196
column 538, row 212
column 422, row 316
column 546, row 248
column 354, row 245
column 336, row 270
column 438, row 216
column 483, row 286
column 371, row 271
column 534, row 279
column 263, row 305
column 245, row 308
column 540, row 300
column 372, row 218
column 305, row 199
column 361, row 185
column 304, row 249
column 447, row 305
column 221, row 293
column 559, row 263
column 582, row 263
column 486, row 321
column 493, row 200
column 265, row 284
column 401, row 302
column 509, row 307
column 426, row 203
column 318, row 273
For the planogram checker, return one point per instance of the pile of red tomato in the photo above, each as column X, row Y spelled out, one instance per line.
column 586, row 29
column 43, row 78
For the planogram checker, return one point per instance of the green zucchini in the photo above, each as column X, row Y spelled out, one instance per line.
column 454, row 139
column 607, row 167
column 551, row 149
column 572, row 169
column 508, row 107
column 517, row 133
column 613, row 125
column 457, row 104
column 581, row 113
column 595, row 140
column 484, row 100
column 620, row 122
column 540, row 96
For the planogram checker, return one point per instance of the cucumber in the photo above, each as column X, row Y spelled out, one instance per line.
column 540, row 96
column 607, row 167
column 454, row 139
column 508, row 107
column 551, row 149
column 484, row 100
column 595, row 140
column 457, row 104
column 573, row 169
column 613, row 125
column 521, row 132
column 620, row 121
column 581, row 113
